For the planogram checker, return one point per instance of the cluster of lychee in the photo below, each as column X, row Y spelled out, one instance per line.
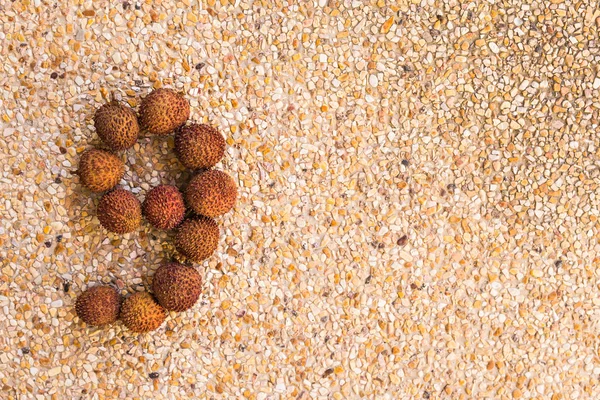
column 209, row 194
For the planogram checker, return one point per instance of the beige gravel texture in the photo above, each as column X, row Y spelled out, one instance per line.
column 418, row 199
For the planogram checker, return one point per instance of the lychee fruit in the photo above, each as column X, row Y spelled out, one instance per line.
column 117, row 125
column 100, row 170
column 199, row 146
column 163, row 111
column 119, row 211
column 98, row 305
column 197, row 238
column 177, row 287
column 141, row 313
column 211, row 193
column 164, row 207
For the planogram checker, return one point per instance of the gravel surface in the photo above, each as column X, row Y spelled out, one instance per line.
column 418, row 199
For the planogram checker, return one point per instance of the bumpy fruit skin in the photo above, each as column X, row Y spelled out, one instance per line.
column 199, row 146
column 99, row 305
column 100, row 170
column 164, row 207
column 177, row 287
column 117, row 126
column 141, row 313
column 197, row 238
column 163, row 111
column 119, row 211
column 211, row 193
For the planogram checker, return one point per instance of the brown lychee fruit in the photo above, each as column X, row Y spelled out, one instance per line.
column 199, row 146
column 100, row 170
column 117, row 125
column 197, row 238
column 163, row 111
column 164, row 207
column 177, row 287
column 211, row 193
column 119, row 211
column 141, row 313
column 98, row 305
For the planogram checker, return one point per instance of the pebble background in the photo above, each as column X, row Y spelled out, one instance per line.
column 418, row 211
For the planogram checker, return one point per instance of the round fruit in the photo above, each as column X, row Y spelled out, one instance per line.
column 141, row 313
column 164, row 207
column 163, row 111
column 117, row 126
column 99, row 305
column 199, row 146
column 197, row 238
column 177, row 287
column 211, row 193
column 119, row 211
column 100, row 170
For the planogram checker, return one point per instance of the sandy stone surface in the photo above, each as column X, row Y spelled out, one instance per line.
column 418, row 199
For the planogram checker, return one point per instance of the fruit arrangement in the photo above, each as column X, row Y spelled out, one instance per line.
column 210, row 194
